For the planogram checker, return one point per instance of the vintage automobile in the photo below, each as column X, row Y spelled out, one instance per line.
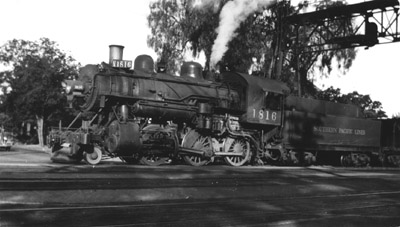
column 6, row 140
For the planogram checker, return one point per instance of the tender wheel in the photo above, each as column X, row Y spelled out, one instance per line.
column 346, row 160
column 195, row 140
column 309, row 158
column 237, row 146
column 93, row 158
column 394, row 160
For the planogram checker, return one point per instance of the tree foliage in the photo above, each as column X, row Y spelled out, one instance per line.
column 319, row 61
column 178, row 27
column 33, row 80
column 371, row 109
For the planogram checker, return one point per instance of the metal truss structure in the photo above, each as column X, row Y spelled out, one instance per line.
column 363, row 24
column 346, row 26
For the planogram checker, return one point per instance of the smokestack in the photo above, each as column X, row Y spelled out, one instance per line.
column 116, row 52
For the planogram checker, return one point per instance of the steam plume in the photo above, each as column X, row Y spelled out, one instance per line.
column 206, row 4
column 232, row 15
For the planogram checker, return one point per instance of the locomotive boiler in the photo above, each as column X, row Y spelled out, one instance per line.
column 154, row 118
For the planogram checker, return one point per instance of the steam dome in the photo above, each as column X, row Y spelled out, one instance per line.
column 144, row 63
column 192, row 70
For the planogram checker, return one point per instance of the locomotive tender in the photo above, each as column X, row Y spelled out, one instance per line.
column 153, row 118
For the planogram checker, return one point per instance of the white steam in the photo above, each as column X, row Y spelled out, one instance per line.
column 206, row 4
column 232, row 15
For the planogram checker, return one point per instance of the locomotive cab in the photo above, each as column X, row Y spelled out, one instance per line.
column 264, row 98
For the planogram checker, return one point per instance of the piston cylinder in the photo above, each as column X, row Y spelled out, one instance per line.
column 123, row 138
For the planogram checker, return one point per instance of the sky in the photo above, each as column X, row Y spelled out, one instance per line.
column 82, row 28
column 85, row 28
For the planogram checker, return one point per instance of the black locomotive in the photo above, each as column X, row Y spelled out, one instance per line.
column 154, row 118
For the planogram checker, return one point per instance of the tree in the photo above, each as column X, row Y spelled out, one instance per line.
column 370, row 108
column 33, row 81
column 318, row 59
column 181, row 26
column 5, row 121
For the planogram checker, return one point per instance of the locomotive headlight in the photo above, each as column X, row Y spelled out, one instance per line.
column 78, row 87
column 71, row 86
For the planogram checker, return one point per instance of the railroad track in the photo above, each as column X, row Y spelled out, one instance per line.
column 290, row 211
column 187, row 196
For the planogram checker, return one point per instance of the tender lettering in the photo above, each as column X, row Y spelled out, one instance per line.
column 346, row 131
column 325, row 129
column 359, row 132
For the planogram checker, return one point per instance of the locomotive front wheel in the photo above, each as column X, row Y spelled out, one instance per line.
column 195, row 140
column 238, row 146
column 93, row 158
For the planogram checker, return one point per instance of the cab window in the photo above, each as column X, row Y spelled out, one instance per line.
column 273, row 100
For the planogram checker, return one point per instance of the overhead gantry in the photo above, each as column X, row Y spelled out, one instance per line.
column 362, row 24
column 345, row 26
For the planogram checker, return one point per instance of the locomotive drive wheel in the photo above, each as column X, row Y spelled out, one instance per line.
column 237, row 146
column 154, row 158
column 195, row 140
column 93, row 158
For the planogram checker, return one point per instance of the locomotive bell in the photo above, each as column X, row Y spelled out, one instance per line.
column 191, row 69
column 144, row 63
column 116, row 52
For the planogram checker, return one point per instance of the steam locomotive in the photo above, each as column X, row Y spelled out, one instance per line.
column 154, row 118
